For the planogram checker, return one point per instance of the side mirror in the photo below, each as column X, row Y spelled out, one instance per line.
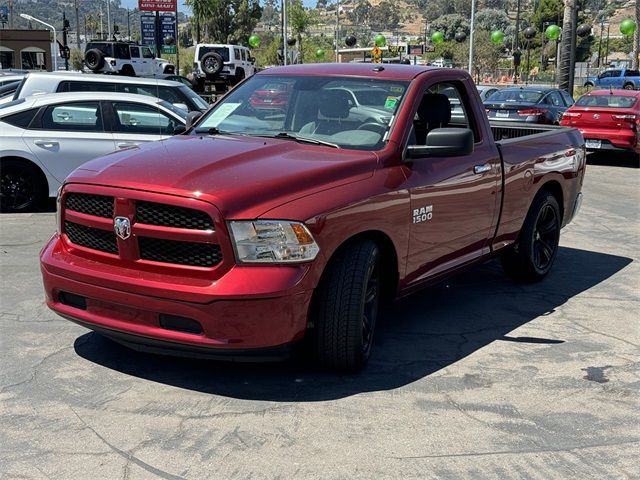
column 182, row 106
column 443, row 142
column 192, row 117
column 252, row 60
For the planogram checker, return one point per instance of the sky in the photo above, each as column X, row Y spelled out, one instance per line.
column 187, row 10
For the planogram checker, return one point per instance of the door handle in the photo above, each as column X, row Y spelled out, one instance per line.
column 127, row 144
column 46, row 143
column 482, row 168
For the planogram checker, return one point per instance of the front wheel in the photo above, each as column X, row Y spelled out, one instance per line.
column 629, row 86
column 346, row 307
column 532, row 256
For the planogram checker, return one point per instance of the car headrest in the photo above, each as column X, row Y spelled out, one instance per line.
column 334, row 104
column 435, row 109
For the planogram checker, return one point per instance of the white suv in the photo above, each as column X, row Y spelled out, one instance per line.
column 124, row 58
column 231, row 63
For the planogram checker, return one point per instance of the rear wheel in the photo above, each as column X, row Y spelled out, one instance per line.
column 22, row 187
column 128, row 71
column 346, row 307
column 532, row 256
column 628, row 86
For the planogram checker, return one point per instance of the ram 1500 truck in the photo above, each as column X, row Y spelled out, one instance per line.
column 261, row 227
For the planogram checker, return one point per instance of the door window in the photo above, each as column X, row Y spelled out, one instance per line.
column 73, row 116
column 146, row 52
column 236, row 53
column 142, row 119
column 135, row 52
column 80, row 86
column 555, row 99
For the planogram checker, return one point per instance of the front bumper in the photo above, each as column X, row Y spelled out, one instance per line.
column 247, row 309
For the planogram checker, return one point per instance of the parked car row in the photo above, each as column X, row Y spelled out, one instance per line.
column 54, row 122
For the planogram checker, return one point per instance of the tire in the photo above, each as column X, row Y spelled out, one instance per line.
column 169, row 69
column 22, row 186
column 238, row 77
column 628, row 86
column 530, row 259
column 128, row 71
column 212, row 63
column 589, row 85
column 345, row 307
column 94, row 59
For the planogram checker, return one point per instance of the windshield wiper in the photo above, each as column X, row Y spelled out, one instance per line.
column 288, row 136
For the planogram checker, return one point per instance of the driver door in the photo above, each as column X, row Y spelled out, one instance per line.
column 454, row 199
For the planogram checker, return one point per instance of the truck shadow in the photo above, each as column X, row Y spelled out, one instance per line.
column 416, row 337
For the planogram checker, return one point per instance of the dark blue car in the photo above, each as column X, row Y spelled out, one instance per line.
column 528, row 104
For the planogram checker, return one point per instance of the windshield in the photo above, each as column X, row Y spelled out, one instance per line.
column 195, row 98
column 610, row 101
column 321, row 109
column 515, row 96
column 181, row 112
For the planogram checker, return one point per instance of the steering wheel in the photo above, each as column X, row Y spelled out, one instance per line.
column 373, row 127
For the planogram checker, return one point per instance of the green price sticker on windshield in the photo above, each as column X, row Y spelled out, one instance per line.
column 390, row 103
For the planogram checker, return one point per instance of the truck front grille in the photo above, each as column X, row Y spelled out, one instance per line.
column 172, row 216
column 89, row 237
column 157, row 245
column 182, row 253
column 96, row 205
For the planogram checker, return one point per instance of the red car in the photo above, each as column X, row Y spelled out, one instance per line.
column 608, row 119
column 273, row 96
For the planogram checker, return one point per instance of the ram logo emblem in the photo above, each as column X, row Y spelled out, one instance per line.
column 122, row 226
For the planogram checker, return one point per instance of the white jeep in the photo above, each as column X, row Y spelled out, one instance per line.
column 124, row 58
column 214, row 62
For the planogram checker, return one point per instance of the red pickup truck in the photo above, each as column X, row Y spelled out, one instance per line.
column 258, row 228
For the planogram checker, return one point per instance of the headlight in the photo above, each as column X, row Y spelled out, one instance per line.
column 272, row 241
column 59, row 211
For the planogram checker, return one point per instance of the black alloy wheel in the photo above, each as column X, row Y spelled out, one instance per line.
column 545, row 237
column 21, row 188
column 530, row 259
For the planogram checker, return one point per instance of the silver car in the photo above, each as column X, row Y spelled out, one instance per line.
column 43, row 138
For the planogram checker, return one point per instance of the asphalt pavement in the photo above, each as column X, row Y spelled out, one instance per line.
column 475, row 378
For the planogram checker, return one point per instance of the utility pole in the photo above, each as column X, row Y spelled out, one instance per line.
column 284, row 32
column 78, row 24
column 109, row 19
column 65, row 29
column 514, row 46
column 471, row 32
column 11, row 14
column 635, row 62
column 337, row 28
column 128, row 24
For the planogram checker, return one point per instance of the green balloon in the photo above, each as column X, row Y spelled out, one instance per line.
column 437, row 37
column 497, row 37
column 380, row 41
column 320, row 54
column 553, row 32
column 254, row 41
column 627, row 27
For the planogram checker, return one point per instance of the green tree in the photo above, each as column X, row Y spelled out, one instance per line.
column 384, row 16
column 548, row 11
column 492, row 19
column 451, row 24
column 299, row 21
column 232, row 21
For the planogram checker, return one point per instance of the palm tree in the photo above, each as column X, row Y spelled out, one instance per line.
column 299, row 20
column 202, row 10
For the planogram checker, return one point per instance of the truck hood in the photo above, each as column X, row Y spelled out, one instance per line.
column 242, row 176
